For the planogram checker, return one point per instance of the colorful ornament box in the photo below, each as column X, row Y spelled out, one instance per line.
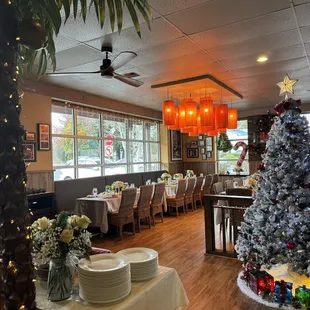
column 283, row 292
column 259, row 281
column 302, row 294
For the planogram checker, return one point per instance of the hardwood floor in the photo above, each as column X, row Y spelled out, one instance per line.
column 210, row 282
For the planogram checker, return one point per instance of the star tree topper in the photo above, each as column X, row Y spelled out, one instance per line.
column 287, row 86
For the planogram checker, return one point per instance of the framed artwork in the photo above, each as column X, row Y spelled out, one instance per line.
column 193, row 153
column 209, row 148
column 44, row 137
column 200, row 137
column 201, row 143
column 187, row 145
column 209, row 141
column 203, row 151
column 30, row 136
column 204, row 157
column 194, row 143
column 209, row 154
column 30, row 153
column 176, row 145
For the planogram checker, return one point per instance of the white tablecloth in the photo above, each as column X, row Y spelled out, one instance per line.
column 165, row 292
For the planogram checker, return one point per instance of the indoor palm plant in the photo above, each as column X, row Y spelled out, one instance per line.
column 27, row 31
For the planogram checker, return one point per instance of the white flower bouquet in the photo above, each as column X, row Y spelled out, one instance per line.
column 165, row 176
column 190, row 173
column 178, row 176
column 238, row 169
column 59, row 237
column 118, row 185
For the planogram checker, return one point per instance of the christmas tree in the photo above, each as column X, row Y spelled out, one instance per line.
column 276, row 228
column 223, row 143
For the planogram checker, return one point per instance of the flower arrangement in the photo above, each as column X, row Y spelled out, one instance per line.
column 118, row 185
column 190, row 173
column 59, row 237
column 238, row 169
column 165, row 176
column 178, row 176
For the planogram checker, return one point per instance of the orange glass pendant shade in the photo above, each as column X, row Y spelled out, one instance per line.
column 187, row 129
column 191, row 113
column 182, row 113
column 168, row 112
column 221, row 116
column 206, row 112
column 176, row 125
column 232, row 119
column 204, row 129
column 194, row 132
column 221, row 130
column 212, row 133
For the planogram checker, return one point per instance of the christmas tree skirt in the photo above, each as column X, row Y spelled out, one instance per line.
column 279, row 273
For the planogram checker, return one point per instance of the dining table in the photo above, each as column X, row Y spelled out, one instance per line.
column 164, row 292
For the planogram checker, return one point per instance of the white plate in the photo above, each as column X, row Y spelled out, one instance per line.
column 102, row 301
column 104, row 263
column 139, row 255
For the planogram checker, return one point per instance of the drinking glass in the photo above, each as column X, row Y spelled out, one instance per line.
column 158, row 180
column 126, row 185
column 201, row 174
column 132, row 185
column 95, row 191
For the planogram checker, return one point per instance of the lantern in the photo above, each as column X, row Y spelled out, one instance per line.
column 194, row 132
column 204, row 129
column 221, row 116
column 168, row 113
column 232, row 119
column 221, row 130
column 191, row 113
column 212, row 133
column 182, row 113
column 176, row 125
column 207, row 112
column 187, row 129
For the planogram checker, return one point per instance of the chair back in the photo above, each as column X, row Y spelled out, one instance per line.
column 145, row 197
column 190, row 186
column 158, row 194
column 207, row 185
column 127, row 202
column 197, row 188
column 239, row 180
column 229, row 184
column 218, row 188
column 215, row 179
column 181, row 189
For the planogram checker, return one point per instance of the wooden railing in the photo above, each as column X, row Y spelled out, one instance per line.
column 236, row 206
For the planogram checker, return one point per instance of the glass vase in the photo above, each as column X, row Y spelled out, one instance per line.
column 59, row 283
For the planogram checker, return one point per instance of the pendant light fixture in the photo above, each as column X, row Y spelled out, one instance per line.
column 207, row 112
column 168, row 112
column 176, row 124
column 232, row 118
column 191, row 113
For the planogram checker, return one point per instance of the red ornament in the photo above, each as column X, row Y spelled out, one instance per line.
column 290, row 245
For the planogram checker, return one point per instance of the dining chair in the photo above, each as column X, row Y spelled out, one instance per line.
column 239, row 180
column 207, row 185
column 157, row 202
column 197, row 194
column 215, row 179
column 125, row 213
column 229, row 184
column 177, row 201
column 188, row 196
column 143, row 208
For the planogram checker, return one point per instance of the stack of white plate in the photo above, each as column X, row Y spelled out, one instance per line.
column 105, row 278
column 143, row 263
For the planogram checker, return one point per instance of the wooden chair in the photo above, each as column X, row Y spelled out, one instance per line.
column 188, row 197
column 207, row 185
column 215, row 179
column 143, row 209
column 125, row 214
column 229, row 184
column 157, row 202
column 239, row 180
column 177, row 201
column 197, row 194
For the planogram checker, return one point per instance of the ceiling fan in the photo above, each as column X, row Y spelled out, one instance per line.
column 108, row 68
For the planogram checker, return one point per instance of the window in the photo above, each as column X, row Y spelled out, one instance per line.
column 94, row 143
column 227, row 161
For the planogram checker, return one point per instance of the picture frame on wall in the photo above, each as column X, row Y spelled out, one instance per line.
column 200, row 137
column 209, row 148
column 204, row 157
column 209, row 154
column 203, row 151
column 201, row 143
column 194, row 143
column 44, row 143
column 193, row 153
column 209, row 141
column 30, row 151
column 30, row 136
column 176, row 145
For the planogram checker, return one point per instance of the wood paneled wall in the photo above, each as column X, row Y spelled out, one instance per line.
column 176, row 167
column 41, row 179
column 254, row 165
column 201, row 167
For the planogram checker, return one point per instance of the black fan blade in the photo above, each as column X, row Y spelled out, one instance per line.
column 128, row 80
column 122, row 59
column 71, row 73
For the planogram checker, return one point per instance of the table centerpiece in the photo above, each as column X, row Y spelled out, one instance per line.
column 190, row 173
column 118, row 186
column 60, row 242
column 165, row 177
column 178, row 176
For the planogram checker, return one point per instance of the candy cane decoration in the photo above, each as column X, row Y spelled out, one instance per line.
column 243, row 153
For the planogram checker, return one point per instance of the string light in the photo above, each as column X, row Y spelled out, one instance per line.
column 17, row 38
column 7, row 176
column 14, row 80
column 18, row 228
column 11, row 96
column 5, row 120
column 28, row 237
column 11, row 264
column 12, row 221
column 6, row 64
column 14, row 148
column 22, row 307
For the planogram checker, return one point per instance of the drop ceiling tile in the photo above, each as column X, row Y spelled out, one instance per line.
column 257, row 46
column 298, row 2
column 76, row 56
column 162, row 32
column 222, row 12
column 302, row 13
column 246, row 30
column 273, row 56
column 305, row 32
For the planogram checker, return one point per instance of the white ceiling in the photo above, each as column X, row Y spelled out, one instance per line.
column 195, row 37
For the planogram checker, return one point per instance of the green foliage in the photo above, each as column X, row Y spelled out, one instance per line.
column 48, row 14
column 223, row 143
column 62, row 218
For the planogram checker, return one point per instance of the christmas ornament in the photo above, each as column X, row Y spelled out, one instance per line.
column 287, row 85
column 243, row 153
column 223, row 143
